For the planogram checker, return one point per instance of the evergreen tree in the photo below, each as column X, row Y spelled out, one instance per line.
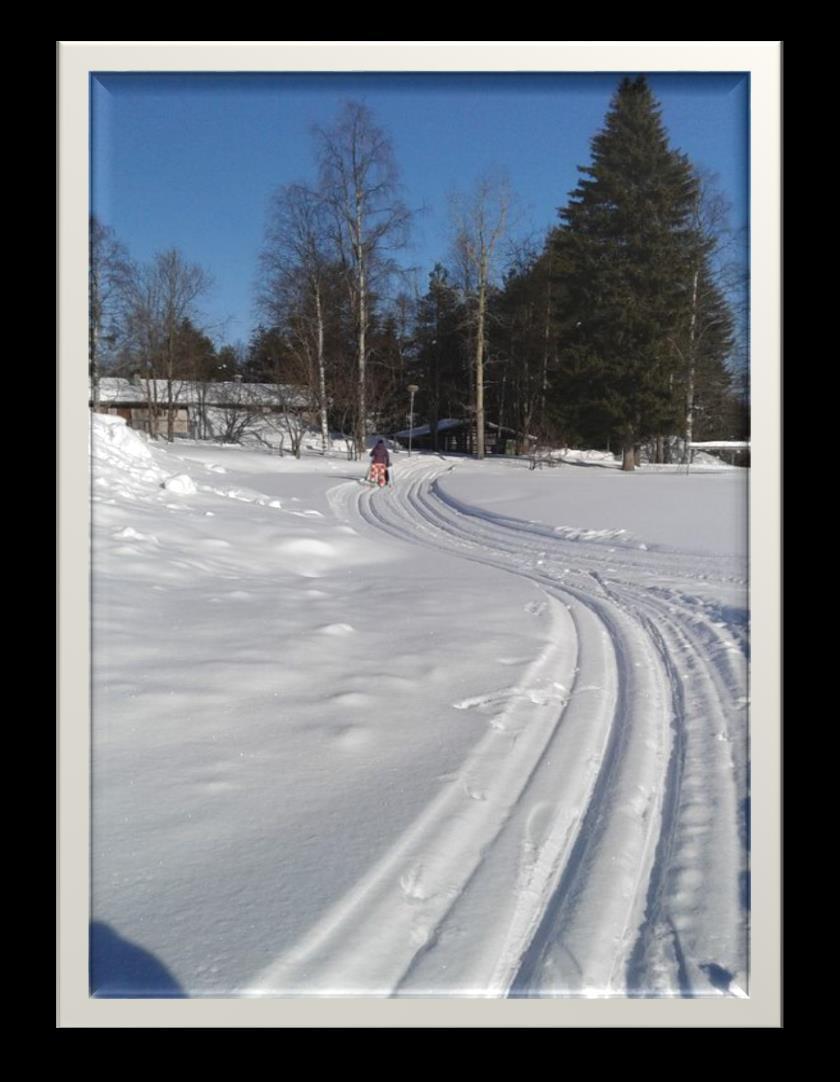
column 629, row 247
column 197, row 354
column 440, row 362
column 529, row 318
column 264, row 348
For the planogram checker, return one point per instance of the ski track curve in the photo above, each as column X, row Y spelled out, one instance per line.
column 612, row 807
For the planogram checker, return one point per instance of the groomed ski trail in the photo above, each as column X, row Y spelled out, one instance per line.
column 609, row 797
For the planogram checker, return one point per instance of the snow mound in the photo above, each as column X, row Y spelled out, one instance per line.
column 181, row 484
column 602, row 457
column 112, row 434
column 120, row 457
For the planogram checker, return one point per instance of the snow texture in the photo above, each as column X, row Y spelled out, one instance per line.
column 483, row 733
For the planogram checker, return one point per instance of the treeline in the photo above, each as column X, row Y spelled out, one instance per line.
column 623, row 326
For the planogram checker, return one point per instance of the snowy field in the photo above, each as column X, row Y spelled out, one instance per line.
column 483, row 733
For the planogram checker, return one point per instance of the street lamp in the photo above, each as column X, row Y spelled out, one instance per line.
column 412, row 390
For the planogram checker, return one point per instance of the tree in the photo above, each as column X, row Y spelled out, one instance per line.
column 295, row 268
column 234, row 407
column 163, row 295
column 438, row 368
column 524, row 336
column 109, row 275
column 707, row 344
column 264, row 347
column 630, row 246
column 200, row 363
column 480, row 220
column 359, row 185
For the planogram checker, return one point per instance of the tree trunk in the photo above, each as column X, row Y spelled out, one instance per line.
column 170, row 412
column 170, row 367
column 322, row 378
column 94, row 365
column 546, row 338
column 690, row 390
column 629, row 462
column 361, row 426
column 479, row 370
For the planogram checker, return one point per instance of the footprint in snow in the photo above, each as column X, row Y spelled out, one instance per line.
column 130, row 534
column 351, row 736
column 411, row 884
column 351, row 698
column 536, row 608
column 538, row 825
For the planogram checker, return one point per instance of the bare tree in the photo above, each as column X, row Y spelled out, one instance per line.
column 359, row 185
column 294, row 264
column 294, row 400
column 289, row 418
column 109, row 275
column 235, row 408
column 480, row 220
column 164, row 294
column 715, row 279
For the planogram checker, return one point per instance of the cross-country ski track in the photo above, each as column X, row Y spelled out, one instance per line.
column 609, row 793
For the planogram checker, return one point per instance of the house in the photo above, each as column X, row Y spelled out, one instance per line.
column 200, row 410
column 459, row 437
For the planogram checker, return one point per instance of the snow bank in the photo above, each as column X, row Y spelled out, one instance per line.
column 121, row 459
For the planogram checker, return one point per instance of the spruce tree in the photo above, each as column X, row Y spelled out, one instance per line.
column 628, row 248
column 440, row 369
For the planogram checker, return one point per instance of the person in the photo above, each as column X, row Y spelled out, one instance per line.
column 380, row 463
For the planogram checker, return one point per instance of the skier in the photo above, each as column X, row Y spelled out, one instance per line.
column 380, row 462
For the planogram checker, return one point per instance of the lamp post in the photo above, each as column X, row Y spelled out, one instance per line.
column 412, row 390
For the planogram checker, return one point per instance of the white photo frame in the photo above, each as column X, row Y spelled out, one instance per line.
column 76, row 60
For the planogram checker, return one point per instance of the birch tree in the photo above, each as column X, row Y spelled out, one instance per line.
column 359, row 183
column 295, row 266
column 708, row 336
column 480, row 221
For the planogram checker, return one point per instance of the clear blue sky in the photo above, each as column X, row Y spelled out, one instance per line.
column 189, row 161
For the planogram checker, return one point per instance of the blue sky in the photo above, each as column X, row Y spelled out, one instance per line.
column 189, row 161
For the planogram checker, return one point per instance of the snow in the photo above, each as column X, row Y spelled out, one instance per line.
column 705, row 512
column 479, row 734
column 424, row 430
column 722, row 445
column 115, row 389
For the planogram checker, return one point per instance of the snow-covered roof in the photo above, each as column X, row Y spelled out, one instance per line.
column 426, row 430
column 114, row 389
column 442, row 426
column 721, row 445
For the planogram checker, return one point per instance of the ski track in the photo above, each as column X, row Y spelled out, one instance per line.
column 595, row 840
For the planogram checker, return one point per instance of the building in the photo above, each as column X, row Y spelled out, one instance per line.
column 212, row 410
column 458, row 437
